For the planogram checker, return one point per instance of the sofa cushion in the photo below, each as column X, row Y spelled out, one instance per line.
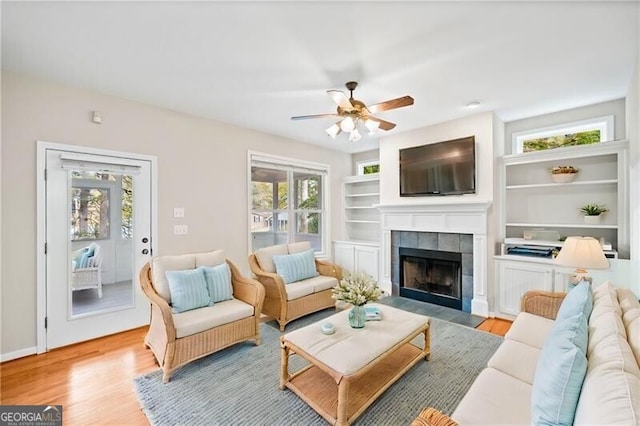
column 605, row 299
column 486, row 401
column 218, row 280
column 611, row 389
column 264, row 256
column 322, row 282
column 516, row 359
column 579, row 299
column 603, row 326
column 298, row 247
column 188, row 290
column 198, row 320
column 295, row 267
column 631, row 321
column 560, row 371
column 530, row 329
column 299, row 289
column 627, row 300
column 211, row 258
column 161, row 264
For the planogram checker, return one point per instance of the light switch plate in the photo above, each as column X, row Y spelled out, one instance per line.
column 180, row 229
column 178, row 212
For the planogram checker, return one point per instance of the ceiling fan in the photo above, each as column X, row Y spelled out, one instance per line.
column 351, row 112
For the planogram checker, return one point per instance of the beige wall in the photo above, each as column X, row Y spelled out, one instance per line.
column 202, row 166
column 356, row 158
column 633, row 133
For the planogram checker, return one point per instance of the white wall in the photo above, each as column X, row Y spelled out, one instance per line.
column 202, row 166
column 615, row 108
column 480, row 126
column 633, row 134
column 359, row 157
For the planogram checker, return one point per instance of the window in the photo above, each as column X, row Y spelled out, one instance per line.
column 583, row 132
column 91, row 199
column 287, row 202
column 368, row 167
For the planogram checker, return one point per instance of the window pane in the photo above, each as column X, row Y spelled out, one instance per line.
column 374, row 168
column 89, row 213
column 308, row 228
column 127, row 207
column 307, row 191
column 572, row 139
column 264, row 182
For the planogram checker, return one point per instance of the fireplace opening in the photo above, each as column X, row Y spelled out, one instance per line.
column 431, row 276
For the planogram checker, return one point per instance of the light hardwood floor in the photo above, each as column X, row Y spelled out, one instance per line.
column 93, row 381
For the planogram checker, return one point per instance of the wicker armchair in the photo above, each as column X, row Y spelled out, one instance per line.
column 177, row 339
column 281, row 306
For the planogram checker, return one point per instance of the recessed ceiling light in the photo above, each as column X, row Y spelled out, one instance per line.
column 473, row 104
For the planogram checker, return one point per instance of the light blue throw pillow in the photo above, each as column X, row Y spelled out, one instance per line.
column 560, row 371
column 296, row 267
column 218, row 282
column 578, row 299
column 188, row 290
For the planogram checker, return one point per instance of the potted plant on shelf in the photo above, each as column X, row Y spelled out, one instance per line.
column 563, row 174
column 357, row 289
column 592, row 212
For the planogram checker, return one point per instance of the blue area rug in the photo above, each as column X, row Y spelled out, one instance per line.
column 240, row 385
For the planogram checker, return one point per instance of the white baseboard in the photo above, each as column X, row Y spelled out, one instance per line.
column 18, row 354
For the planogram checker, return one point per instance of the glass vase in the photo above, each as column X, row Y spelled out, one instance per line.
column 357, row 317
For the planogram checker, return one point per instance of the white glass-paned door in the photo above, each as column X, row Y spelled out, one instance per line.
column 98, row 233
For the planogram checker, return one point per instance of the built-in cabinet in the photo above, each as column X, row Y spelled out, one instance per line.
column 360, row 250
column 532, row 201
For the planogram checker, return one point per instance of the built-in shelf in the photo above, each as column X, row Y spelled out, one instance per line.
column 564, row 186
column 560, row 225
column 361, row 217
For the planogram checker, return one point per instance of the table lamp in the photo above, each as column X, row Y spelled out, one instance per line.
column 582, row 253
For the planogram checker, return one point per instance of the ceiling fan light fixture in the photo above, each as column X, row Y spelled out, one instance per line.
column 347, row 124
column 334, row 130
column 372, row 125
column 354, row 136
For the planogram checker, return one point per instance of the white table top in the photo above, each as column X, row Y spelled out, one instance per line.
column 348, row 350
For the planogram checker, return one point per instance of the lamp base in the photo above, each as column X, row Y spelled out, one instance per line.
column 578, row 276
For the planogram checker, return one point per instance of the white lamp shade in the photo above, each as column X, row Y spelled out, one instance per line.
column 354, row 136
column 347, row 124
column 372, row 125
column 333, row 131
column 582, row 252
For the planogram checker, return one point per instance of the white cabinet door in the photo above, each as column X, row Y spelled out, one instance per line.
column 354, row 257
column 515, row 279
column 366, row 260
column 343, row 256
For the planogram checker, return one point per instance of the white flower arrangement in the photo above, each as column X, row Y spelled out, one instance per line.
column 357, row 289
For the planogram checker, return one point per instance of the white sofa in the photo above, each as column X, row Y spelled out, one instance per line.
column 288, row 301
column 610, row 390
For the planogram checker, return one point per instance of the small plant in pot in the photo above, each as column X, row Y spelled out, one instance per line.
column 592, row 212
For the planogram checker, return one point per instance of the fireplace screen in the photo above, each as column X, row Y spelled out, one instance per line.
column 434, row 274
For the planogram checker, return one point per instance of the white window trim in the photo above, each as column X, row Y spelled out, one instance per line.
column 360, row 165
column 604, row 124
column 256, row 158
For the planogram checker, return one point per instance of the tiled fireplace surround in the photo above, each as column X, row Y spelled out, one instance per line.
column 460, row 227
column 455, row 243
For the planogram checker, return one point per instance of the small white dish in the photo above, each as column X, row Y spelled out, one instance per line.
column 327, row 328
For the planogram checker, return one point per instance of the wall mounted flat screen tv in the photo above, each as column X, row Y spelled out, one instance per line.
column 443, row 168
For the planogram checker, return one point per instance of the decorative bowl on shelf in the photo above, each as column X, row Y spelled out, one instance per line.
column 563, row 174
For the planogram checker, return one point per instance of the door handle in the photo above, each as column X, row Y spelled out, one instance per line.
column 145, row 251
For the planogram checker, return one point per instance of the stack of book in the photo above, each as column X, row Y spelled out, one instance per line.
column 372, row 313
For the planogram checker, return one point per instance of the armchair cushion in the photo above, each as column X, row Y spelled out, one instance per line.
column 264, row 256
column 296, row 267
column 188, row 290
column 309, row 286
column 218, row 279
column 161, row 264
column 199, row 320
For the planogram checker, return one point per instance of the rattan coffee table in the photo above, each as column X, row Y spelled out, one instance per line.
column 349, row 369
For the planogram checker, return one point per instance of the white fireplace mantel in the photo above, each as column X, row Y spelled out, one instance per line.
column 458, row 218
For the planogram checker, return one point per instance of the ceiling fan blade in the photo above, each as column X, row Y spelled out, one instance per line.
column 340, row 99
column 390, row 104
column 384, row 125
column 305, row 117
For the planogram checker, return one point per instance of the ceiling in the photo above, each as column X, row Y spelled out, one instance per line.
column 256, row 64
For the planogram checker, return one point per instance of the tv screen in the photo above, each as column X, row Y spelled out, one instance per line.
column 443, row 168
